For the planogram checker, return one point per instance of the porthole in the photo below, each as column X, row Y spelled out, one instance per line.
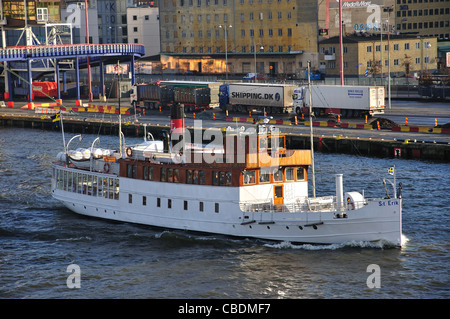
column 287, row 227
column 300, row 227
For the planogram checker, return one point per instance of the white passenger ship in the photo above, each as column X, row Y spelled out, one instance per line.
column 239, row 191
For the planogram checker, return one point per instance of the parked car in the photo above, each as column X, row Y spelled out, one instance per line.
column 251, row 76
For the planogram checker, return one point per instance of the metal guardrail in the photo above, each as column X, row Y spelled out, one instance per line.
column 68, row 50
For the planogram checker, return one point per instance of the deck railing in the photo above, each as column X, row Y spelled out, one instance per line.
column 320, row 204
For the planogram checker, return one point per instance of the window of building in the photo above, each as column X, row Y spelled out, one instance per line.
column 42, row 14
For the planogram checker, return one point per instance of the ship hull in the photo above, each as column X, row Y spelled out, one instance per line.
column 217, row 213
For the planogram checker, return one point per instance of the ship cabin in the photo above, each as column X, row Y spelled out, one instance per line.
column 259, row 165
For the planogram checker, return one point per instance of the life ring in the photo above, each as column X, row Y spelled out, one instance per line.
column 129, row 152
column 106, row 168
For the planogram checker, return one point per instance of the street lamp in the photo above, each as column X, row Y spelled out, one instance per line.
column 389, row 10
column 254, row 51
column 225, row 27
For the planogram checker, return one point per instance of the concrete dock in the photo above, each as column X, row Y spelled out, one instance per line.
column 408, row 142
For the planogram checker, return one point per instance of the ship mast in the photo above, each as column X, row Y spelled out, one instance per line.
column 311, row 131
column 341, row 46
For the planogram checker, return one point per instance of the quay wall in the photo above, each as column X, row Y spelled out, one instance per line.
column 371, row 147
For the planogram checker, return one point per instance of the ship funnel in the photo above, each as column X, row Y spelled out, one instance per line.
column 177, row 127
column 339, row 192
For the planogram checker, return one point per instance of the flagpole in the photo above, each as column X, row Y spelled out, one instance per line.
column 395, row 185
column 62, row 128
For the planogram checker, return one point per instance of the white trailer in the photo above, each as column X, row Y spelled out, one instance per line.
column 348, row 101
column 242, row 97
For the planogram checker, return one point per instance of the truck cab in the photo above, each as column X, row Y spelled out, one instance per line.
column 297, row 98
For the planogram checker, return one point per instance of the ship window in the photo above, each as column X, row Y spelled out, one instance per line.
column 111, row 188
column 200, row 206
column 228, row 179
column 65, row 180
column 201, row 176
column 131, row 171
column 163, row 174
column 90, row 178
column 249, row 177
column 100, row 186
column 176, row 175
column 215, row 178
column 169, row 203
column 264, row 176
column 105, row 187
column 148, row 172
column 216, row 207
column 289, row 174
column 170, row 175
column 222, row 178
column 185, row 205
column 300, row 174
column 144, row 200
column 158, row 202
column 278, row 175
column 189, row 176
column 116, row 188
column 84, row 183
column 195, row 177
column 130, row 198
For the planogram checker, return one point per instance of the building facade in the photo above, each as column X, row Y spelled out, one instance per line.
column 274, row 37
column 407, row 55
column 424, row 17
column 143, row 28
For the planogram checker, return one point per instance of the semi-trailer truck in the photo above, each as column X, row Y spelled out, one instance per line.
column 193, row 95
column 244, row 97
column 348, row 101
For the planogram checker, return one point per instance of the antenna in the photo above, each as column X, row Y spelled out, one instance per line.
column 311, row 131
